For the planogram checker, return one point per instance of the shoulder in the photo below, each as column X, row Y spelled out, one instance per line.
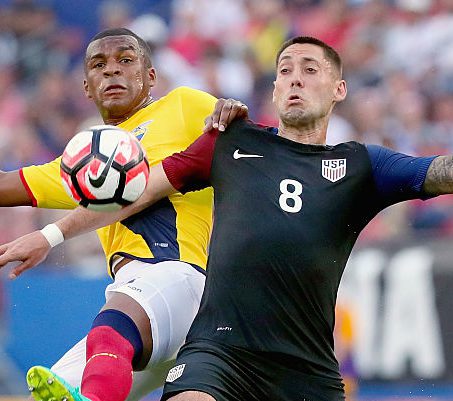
column 187, row 93
column 351, row 150
column 351, row 145
column 242, row 124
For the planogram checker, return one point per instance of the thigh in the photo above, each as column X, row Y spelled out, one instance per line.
column 169, row 294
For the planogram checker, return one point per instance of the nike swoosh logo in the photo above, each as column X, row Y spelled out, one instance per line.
column 237, row 155
column 99, row 181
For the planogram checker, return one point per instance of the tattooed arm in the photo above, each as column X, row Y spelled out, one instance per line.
column 439, row 178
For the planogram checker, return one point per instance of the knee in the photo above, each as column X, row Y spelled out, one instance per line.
column 114, row 330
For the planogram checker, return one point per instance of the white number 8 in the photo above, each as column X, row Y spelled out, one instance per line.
column 290, row 189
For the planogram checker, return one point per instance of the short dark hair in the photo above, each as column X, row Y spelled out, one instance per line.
column 329, row 51
column 126, row 32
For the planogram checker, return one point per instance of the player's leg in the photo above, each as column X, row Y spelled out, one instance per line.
column 114, row 348
column 118, row 343
column 71, row 365
column 146, row 318
column 162, row 300
column 170, row 293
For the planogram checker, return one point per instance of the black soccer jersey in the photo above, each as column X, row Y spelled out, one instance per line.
column 286, row 218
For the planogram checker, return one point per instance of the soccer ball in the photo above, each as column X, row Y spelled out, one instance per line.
column 104, row 168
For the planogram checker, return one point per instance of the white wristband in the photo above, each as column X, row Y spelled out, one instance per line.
column 53, row 234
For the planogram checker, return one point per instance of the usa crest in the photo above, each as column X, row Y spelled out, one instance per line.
column 333, row 170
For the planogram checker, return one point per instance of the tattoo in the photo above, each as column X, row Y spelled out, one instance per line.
column 439, row 178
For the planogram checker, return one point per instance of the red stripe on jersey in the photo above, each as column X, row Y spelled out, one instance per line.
column 190, row 169
column 34, row 202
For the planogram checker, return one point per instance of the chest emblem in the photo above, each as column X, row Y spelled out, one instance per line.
column 334, row 169
column 141, row 130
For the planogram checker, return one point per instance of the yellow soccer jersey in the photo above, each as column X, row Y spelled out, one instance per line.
column 175, row 228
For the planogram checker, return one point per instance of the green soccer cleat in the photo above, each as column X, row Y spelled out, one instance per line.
column 44, row 385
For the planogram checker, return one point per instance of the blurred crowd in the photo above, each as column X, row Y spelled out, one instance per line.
column 398, row 62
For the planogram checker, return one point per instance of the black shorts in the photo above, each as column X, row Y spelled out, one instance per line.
column 234, row 374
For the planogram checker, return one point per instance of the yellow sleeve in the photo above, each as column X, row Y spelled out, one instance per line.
column 44, row 184
column 197, row 105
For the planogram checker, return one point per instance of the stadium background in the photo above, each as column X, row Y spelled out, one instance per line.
column 394, row 332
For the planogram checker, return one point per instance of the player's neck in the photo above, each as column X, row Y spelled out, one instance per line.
column 306, row 135
column 118, row 119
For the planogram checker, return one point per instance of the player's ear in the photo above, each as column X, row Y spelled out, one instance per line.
column 273, row 94
column 341, row 91
column 87, row 90
column 152, row 76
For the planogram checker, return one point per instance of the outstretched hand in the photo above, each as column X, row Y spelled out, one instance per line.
column 30, row 250
column 225, row 111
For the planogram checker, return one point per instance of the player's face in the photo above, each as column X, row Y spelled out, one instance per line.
column 117, row 78
column 307, row 85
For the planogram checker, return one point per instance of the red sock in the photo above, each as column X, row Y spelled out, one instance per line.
column 108, row 373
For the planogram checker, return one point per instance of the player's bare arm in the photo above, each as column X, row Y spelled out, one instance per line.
column 439, row 178
column 225, row 111
column 12, row 191
column 33, row 248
